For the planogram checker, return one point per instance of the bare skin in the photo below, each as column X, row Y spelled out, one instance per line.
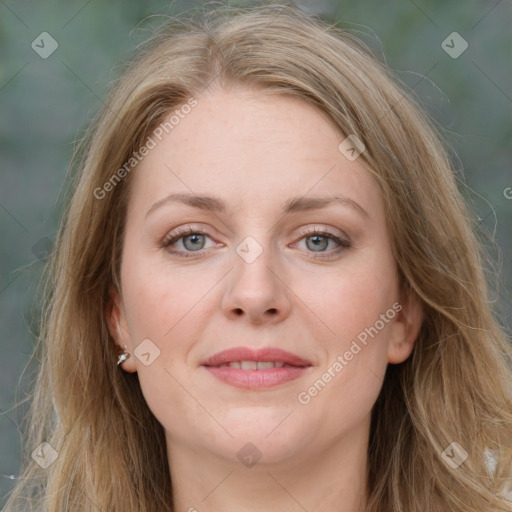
column 309, row 296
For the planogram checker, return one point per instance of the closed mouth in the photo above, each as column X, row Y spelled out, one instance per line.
column 244, row 358
column 256, row 365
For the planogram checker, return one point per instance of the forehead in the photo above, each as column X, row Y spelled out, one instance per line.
column 252, row 149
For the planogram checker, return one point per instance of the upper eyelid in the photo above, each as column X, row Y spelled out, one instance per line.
column 183, row 232
column 328, row 230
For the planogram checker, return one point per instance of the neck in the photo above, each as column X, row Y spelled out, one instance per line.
column 329, row 480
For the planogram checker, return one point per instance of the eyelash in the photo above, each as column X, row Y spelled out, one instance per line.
column 183, row 233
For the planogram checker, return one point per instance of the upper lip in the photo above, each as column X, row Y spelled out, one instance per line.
column 263, row 354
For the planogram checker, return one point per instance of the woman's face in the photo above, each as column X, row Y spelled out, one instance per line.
column 247, row 271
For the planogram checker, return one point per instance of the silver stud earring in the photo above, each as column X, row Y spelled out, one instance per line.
column 123, row 356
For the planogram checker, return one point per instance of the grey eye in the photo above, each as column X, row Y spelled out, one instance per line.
column 318, row 241
column 197, row 242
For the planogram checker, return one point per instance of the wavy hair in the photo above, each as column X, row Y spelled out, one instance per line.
column 456, row 387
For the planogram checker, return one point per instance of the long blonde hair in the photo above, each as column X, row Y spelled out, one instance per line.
column 456, row 387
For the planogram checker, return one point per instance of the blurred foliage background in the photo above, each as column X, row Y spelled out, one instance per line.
column 46, row 103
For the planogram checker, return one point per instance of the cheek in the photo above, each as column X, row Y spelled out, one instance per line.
column 160, row 299
column 359, row 311
column 160, row 307
column 350, row 301
column 356, row 305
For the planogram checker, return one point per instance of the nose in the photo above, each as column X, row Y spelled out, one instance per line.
column 256, row 290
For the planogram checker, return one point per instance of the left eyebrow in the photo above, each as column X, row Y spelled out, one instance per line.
column 300, row 204
column 293, row 205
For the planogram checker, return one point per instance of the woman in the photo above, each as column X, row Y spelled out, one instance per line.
column 252, row 373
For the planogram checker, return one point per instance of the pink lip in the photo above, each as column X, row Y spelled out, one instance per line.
column 263, row 354
column 256, row 379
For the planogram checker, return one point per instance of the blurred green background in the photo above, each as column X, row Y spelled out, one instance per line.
column 46, row 103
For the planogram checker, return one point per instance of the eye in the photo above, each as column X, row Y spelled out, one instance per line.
column 319, row 239
column 193, row 241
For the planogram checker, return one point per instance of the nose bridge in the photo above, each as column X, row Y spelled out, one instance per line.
column 254, row 265
column 254, row 286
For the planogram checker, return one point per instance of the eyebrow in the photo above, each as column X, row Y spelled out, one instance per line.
column 293, row 205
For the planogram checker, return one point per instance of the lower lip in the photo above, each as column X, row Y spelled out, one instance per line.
column 256, row 379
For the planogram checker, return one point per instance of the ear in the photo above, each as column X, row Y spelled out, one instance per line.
column 405, row 328
column 118, row 328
